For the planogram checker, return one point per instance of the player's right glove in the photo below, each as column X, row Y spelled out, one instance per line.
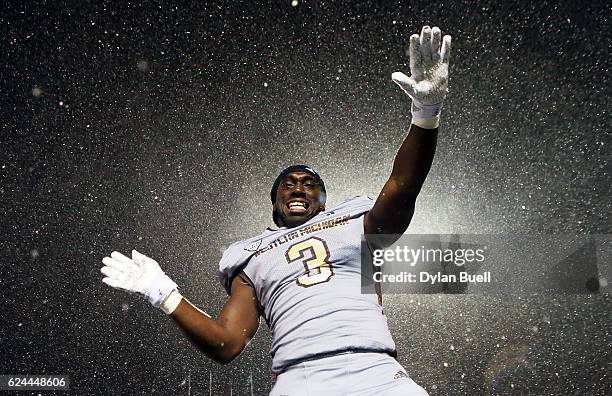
column 428, row 81
column 141, row 275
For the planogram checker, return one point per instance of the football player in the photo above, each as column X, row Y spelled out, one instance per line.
column 304, row 276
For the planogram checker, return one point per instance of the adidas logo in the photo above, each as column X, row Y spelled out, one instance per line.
column 400, row 374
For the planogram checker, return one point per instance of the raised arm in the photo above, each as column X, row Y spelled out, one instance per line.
column 222, row 339
column 427, row 87
column 394, row 206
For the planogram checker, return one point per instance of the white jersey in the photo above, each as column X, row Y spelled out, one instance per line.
column 308, row 281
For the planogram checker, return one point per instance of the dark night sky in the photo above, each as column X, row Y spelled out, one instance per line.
column 161, row 126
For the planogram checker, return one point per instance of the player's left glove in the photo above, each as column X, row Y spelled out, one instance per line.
column 428, row 81
column 141, row 275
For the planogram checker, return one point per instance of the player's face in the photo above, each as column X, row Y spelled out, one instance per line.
column 297, row 199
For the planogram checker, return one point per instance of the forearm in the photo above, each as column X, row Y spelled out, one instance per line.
column 413, row 161
column 207, row 334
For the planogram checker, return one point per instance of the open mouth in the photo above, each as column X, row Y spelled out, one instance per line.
column 297, row 207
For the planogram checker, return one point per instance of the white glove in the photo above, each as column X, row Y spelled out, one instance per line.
column 428, row 81
column 142, row 275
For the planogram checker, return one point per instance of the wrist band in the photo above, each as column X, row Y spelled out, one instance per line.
column 160, row 289
column 171, row 302
column 422, row 110
column 427, row 123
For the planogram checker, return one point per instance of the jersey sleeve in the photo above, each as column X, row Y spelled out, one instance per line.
column 356, row 205
column 234, row 260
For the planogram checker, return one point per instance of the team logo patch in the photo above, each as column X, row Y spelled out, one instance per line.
column 253, row 246
column 400, row 374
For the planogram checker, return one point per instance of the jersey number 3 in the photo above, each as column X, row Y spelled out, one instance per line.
column 313, row 253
